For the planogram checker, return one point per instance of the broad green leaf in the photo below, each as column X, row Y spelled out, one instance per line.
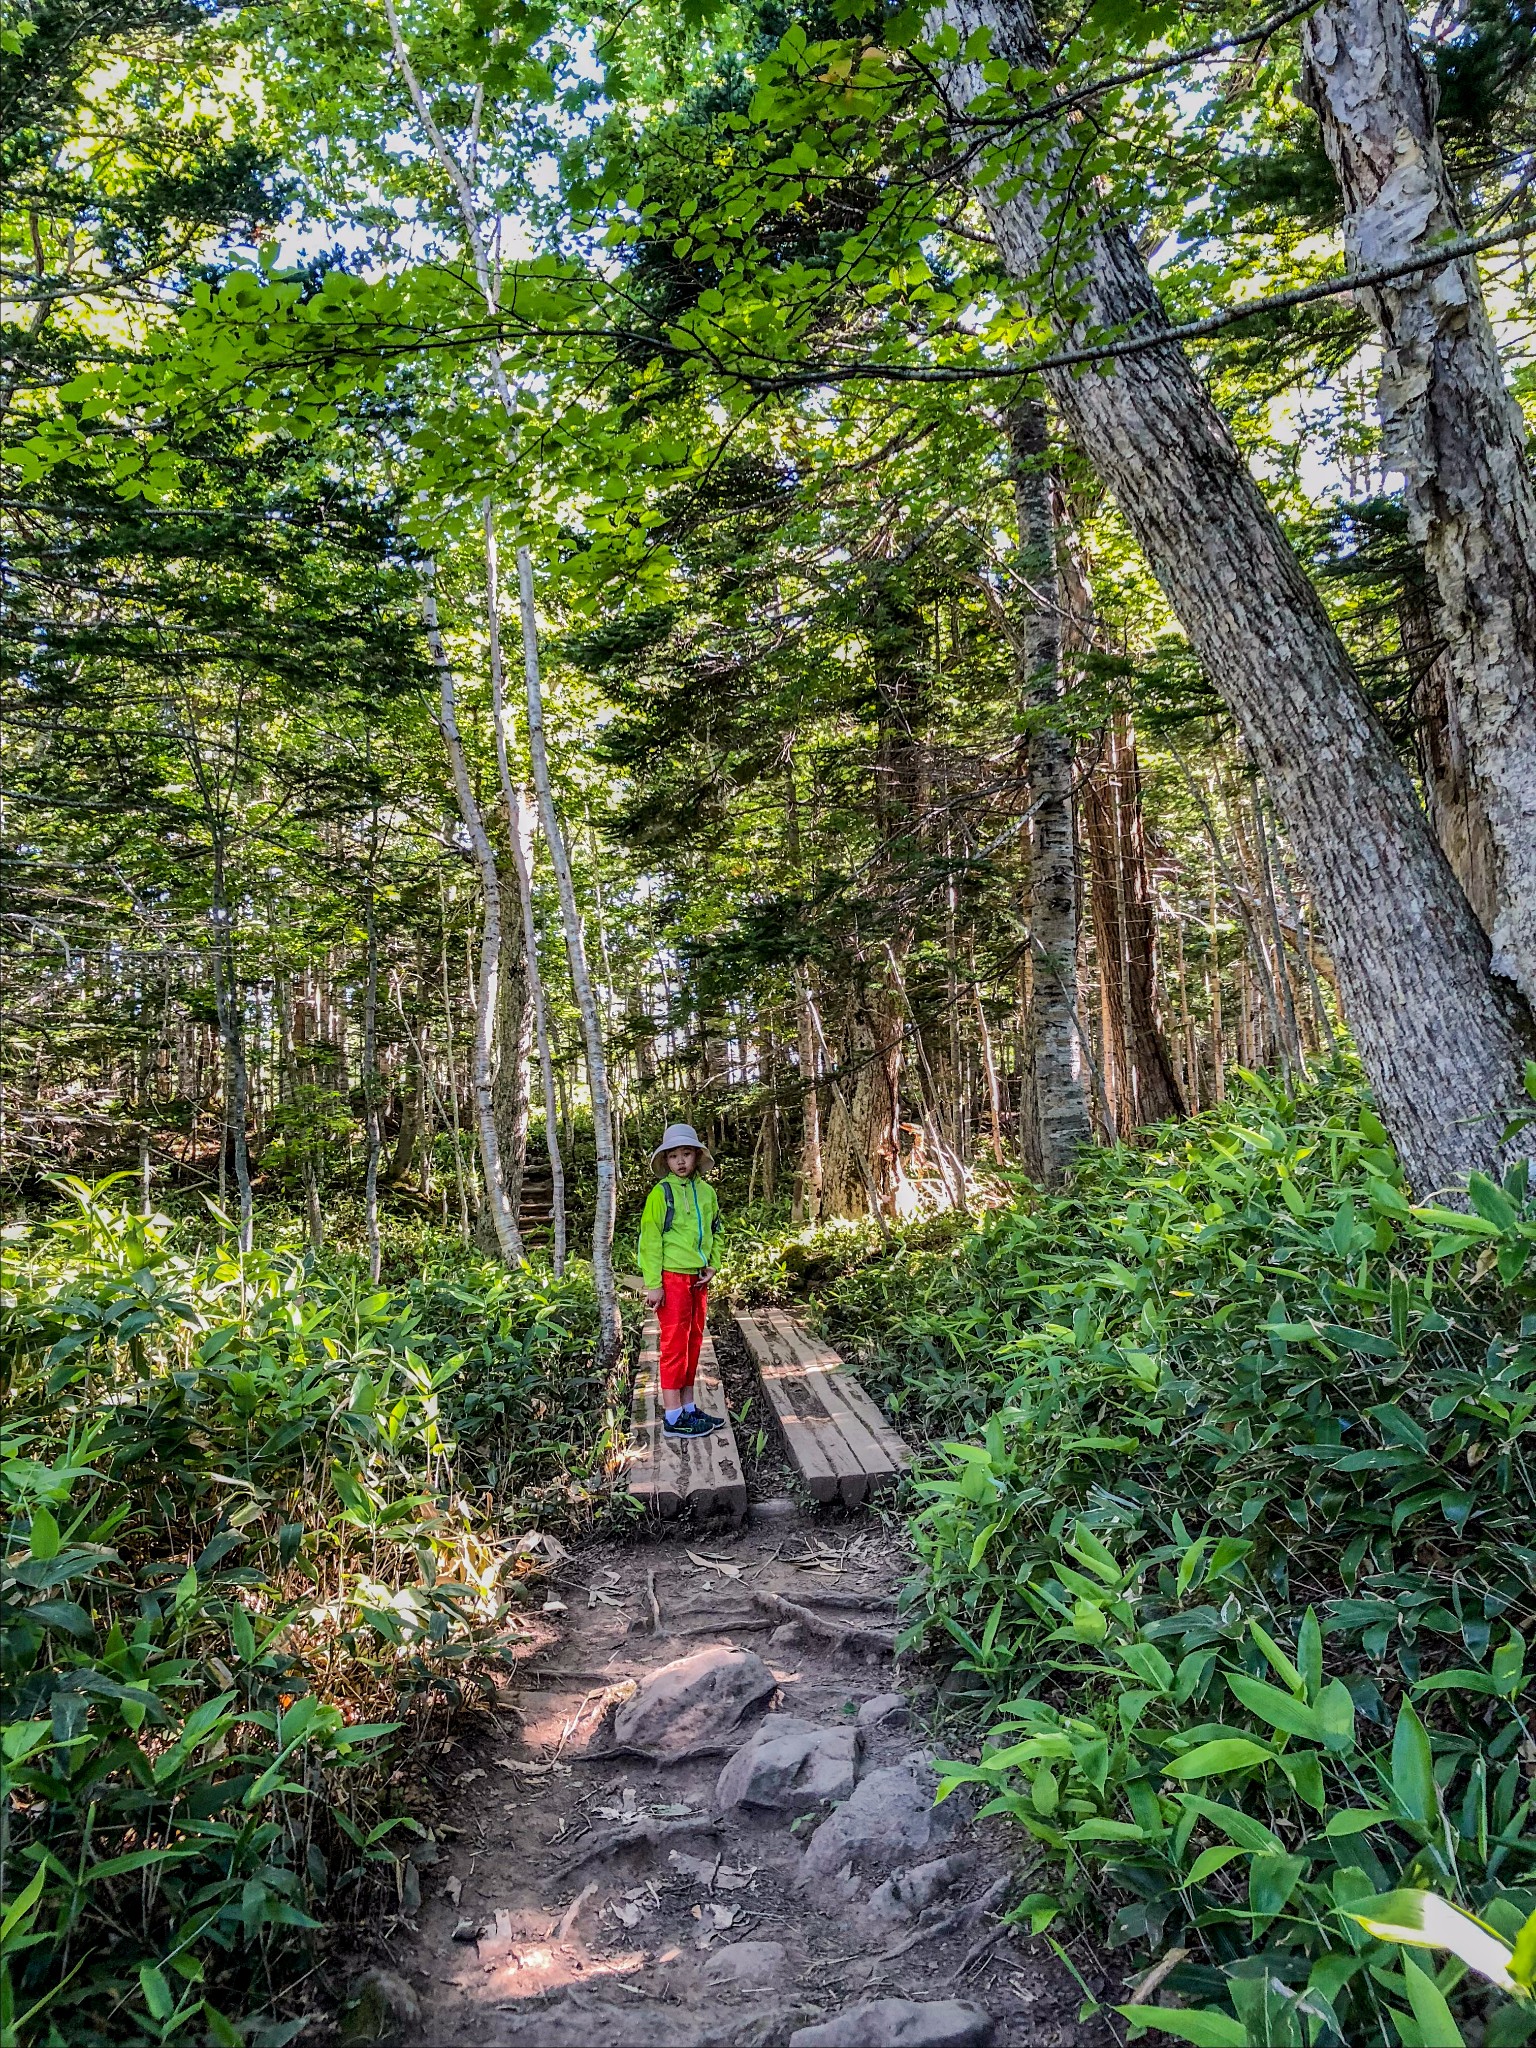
column 1205, row 2029
column 1434, row 2016
column 1413, row 1770
column 1210, row 1759
column 1149, row 1665
column 1245, row 1829
column 1309, row 1654
column 1209, row 1861
column 44, row 1539
column 1281, row 1710
column 1088, row 1550
column 157, row 1993
column 1107, row 1831
column 1278, row 1660
column 1271, row 1880
column 20, row 1738
column 1509, row 1666
column 1354, row 1820
column 23, row 1902
column 1522, row 1963
column 1336, row 1716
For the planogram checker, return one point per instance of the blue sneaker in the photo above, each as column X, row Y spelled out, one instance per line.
column 686, row 1426
column 710, row 1422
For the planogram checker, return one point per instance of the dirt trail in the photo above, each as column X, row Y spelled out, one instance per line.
column 591, row 1901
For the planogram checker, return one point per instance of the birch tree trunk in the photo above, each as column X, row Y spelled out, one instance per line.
column 488, row 980
column 228, row 1006
column 1449, row 423
column 1442, row 1043
column 1054, row 1049
column 581, row 980
column 808, row 1196
column 520, row 832
column 514, row 1034
column 371, row 1103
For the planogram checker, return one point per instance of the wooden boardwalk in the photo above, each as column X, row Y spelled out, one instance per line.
column 838, row 1440
column 702, row 1474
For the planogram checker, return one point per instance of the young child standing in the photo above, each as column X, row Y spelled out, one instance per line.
column 677, row 1244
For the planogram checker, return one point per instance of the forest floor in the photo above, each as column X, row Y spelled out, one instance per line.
column 583, row 1897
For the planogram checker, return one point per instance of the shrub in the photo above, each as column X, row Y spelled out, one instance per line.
column 240, row 1562
column 1239, row 1566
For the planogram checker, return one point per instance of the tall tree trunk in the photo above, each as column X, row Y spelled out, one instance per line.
column 1291, row 1044
column 229, row 1008
column 531, row 1008
column 1449, row 423
column 1140, row 1071
column 606, row 1191
column 808, row 1187
column 487, row 983
column 372, row 1105
column 1451, row 794
column 1054, row 1051
column 514, row 1032
column 461, row 1179
column 1442, row 1042
column 1158, row 1095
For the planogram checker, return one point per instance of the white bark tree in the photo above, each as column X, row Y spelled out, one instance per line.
column 508, row 1236
column 1449, row 424
column 1442, row 1041
column 1061, row 1120
column 520, row 833
column 581, row 979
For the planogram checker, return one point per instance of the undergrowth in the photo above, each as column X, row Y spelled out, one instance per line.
column 257, row 1518
column 1234, row 1544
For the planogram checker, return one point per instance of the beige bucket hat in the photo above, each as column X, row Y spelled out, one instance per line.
column 676, row 1135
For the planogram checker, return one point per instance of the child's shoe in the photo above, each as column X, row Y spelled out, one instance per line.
column 710, row 1422
column 687, row 1425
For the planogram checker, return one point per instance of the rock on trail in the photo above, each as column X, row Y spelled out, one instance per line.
column 602, row 1879
column 790, row 1766
column 696, row 1703
column 901, row 2023
column 889, row 1821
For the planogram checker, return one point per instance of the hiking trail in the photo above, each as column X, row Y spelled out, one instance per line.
column 596, row 1883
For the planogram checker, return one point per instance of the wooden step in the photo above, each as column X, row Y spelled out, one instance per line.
column 668, row 1473
column 838, row 1440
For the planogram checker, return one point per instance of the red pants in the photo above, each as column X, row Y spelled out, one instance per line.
column 684, row 1300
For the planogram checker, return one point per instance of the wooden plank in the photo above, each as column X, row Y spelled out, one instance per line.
column 835, row 1434
column 653, row 1478
column 702, row 1474
column 817, row 1447
column 846, row 1392
column 825, row 1371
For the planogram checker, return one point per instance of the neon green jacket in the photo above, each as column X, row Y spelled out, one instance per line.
column 689, row 1246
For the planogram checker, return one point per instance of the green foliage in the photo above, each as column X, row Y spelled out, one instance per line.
column 1240, row 1564
column 240, row 1564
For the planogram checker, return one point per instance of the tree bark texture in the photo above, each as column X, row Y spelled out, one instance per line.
column 1054, row 1051
column 488, row 980
column 1449, row 423
column 1451, row 794
column 861, row 1152
column 808, row 1187
column 1441, row 1042
column 229, row 1008
column 1138, row 1069
column 514, row 1032
column 581, row 981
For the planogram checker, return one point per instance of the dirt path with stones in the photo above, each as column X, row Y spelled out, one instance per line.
column 706, row 1824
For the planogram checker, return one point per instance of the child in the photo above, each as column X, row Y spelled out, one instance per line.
column 677, row 1243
